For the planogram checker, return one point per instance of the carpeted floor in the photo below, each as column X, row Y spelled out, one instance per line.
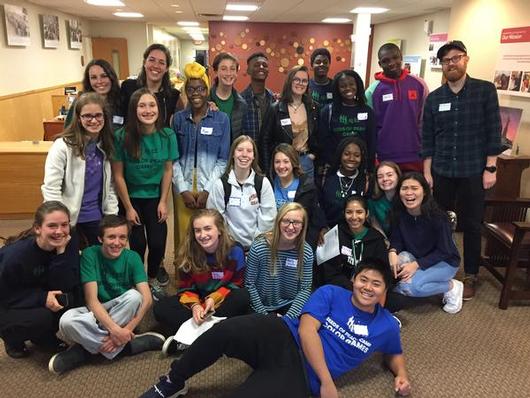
column 480, row 352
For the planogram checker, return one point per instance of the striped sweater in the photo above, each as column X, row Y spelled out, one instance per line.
column 270, row 292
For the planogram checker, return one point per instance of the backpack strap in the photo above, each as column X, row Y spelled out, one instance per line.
column 227, row 188
column 258, row 184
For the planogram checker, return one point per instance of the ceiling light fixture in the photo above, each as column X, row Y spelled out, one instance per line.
column 105, row 3
column 235, row 17
column 128, row 14
column 369, row 10
column 241, row 7
column 175, row 5
column 336, row 20
column 187, row 23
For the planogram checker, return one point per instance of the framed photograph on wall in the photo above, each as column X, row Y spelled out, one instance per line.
column 50, row 31
column 75, row 36
column 17, row 25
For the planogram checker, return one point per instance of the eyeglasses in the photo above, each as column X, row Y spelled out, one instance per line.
column 454, row 59
column 87, row 117
column 297, row 80
column 198, row 90
column 295, row 224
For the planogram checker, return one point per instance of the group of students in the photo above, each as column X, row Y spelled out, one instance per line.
column 251, row 208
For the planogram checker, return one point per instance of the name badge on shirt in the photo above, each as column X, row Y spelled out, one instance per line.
column 444, row 107
column 291, row 262
column 117, row 119
column 360, row 330
column 329, row 95
column 388, row 97
column 206, row 130
column 345, row 250
column 362, row 116
column 217, row 274
column 285, row 122
column 234, row 202
column 291, row 194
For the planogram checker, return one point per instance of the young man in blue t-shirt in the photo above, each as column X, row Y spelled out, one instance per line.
column 337, row 331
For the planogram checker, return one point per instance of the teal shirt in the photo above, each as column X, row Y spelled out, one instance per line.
column 380, row 209
column 113, row 276
column 144, row 176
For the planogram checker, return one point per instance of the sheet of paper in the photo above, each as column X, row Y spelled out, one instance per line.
column 189, row 331
column 330, row 247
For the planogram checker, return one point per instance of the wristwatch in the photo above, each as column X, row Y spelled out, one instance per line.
column 491, row 169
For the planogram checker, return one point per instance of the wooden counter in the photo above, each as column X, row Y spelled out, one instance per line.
column 21, row 176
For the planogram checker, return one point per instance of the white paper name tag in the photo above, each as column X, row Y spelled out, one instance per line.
column 388, row 97
column 360, row 330
column 285, row 122
column 206, row 130
column 291, row 194
column 117, row 119
column 444, row 107
column 329, row 95
column 291, row 262
column 234, row 202
column 362, row 116
column 217, row 274
column 345, row 250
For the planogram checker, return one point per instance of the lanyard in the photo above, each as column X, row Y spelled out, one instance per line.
column 353, row 260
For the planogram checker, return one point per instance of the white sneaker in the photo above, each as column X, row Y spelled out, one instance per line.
column 172, row 346
column 454, row 297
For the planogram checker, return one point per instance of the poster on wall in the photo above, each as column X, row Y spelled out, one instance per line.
column 512, row 73
column 75, row 36
column 436, row 40
column 510, row 122
column 413, row 64
column 50, row 31
column 17, row 25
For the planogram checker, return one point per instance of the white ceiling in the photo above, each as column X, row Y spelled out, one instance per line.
column 163, row 14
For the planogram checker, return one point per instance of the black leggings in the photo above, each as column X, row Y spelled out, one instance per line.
column 264, row 342
column 36, row 324
column 171, row 314
column 156, row 234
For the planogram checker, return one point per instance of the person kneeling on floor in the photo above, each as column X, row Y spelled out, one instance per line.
column 337, row 331
column 117, row 297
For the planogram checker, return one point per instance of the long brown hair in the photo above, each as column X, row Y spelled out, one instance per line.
column 254, row 166
column 113, row 97
column 40, row 214
column 75, row 134
column 293, row 156
column 273, row 237
column 378, row 192
column 287, row 90
column 166, row 82
column 191, row 257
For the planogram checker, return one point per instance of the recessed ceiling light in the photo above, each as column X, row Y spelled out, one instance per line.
column 241, row 7
column 187, row 23
column 179, row 12
column 175, row 5
column 336, row 20
column 235, row 17
column 193, row 29
column 105, row 3
column 129, row 14
column 369, row 10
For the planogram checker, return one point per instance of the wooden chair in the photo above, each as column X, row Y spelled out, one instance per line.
column 507, row 245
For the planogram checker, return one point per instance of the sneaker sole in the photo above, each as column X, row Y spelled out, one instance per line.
column 166, row 345
column 154, row 334
column 164, row 283
column 467, row 298
column 50, row 365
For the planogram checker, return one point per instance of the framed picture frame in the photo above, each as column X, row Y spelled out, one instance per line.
column 17, row 25
column 50, row 31
column 75, row 35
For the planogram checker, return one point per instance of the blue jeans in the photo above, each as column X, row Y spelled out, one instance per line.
column 307, row 165
column 426, row 282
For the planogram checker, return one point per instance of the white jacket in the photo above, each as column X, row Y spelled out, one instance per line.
column 245, row 215
column 64, row 180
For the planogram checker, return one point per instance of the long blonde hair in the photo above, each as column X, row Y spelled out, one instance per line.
column 273, row 237
column 191, row 257
column 254, row 165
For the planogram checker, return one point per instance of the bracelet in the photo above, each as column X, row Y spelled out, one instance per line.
column 194, row 305
column 392, row 251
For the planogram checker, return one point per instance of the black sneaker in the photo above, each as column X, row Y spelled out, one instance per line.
column 165, row 388
column 157, row 291
column 67, row 360
column 16, row 351
column 172, row 346
column 149, row 341
column 162, row 276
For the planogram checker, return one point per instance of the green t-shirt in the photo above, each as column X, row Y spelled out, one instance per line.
column 226, row 106
column 114, row 277
column 143, row 176
column 380, row 209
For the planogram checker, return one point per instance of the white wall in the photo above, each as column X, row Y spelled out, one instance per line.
column 33, row 67
column 414, row 40
column 187, row 54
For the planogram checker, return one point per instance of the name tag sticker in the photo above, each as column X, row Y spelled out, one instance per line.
column 234, row 202
column 285, row 122
column 444, row 107
column 217, row 274
column 206, row 130
column 329, row 95
column 291, row 262
column 291, row 194
column 388, row 97
column 117, row 119
column 362, row 116
column 360, row 330
column 345, row 250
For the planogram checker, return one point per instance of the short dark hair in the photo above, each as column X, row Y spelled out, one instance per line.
column 112, row 221
column 320, row 51
column 256, row 55
column 378, row 265
column 387, row 47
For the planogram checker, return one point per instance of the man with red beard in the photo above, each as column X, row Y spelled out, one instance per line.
column 461, row 141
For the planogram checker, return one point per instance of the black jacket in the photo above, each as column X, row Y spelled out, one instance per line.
column 238, row 113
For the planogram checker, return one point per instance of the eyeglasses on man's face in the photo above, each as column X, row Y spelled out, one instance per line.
column 454, row 59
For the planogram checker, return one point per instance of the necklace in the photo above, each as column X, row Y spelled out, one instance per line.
column 346, row 184
column 296, row 107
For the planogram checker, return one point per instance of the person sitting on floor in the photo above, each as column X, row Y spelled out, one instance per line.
column 337, row 331
column 37, row 268
column 117, row 297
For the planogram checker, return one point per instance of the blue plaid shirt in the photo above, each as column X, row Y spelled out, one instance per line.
column 253, row 119
column 461, row 130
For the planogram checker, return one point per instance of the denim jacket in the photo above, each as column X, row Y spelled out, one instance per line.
column 203, row 147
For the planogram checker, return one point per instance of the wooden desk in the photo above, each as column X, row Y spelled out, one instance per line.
column 22, row 174
column 52, row 128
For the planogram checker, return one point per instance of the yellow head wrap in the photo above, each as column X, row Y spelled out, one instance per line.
column 195, row 70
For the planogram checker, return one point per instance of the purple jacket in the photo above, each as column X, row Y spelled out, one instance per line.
column 398, row 108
